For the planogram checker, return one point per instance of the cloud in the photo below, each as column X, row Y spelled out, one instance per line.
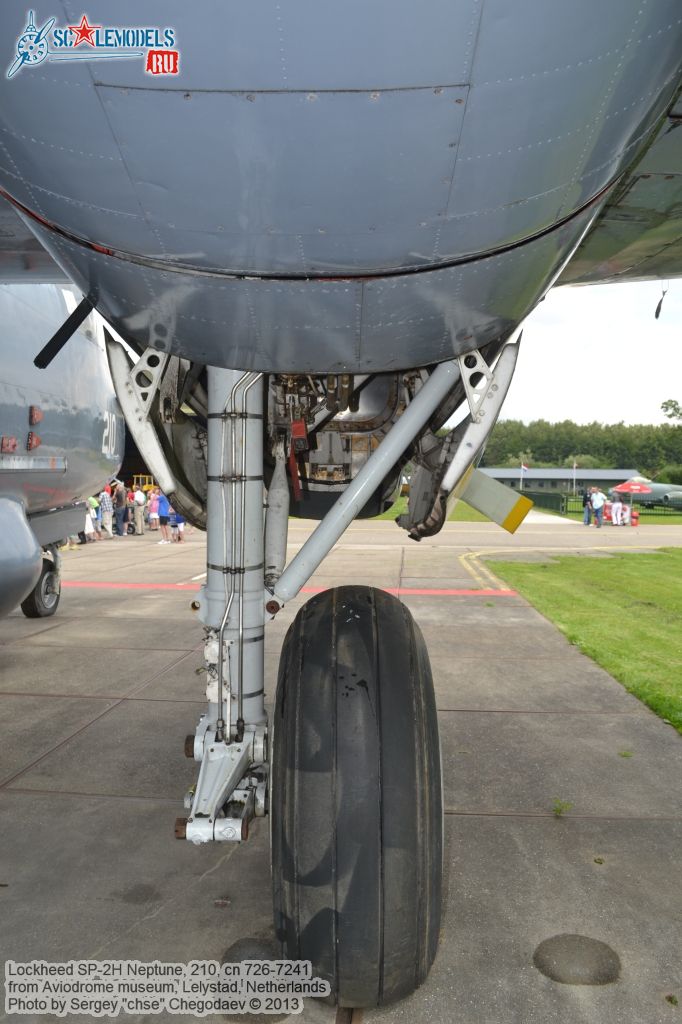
column 598, row 353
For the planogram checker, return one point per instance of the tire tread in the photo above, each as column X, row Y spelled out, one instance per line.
column 356, row 801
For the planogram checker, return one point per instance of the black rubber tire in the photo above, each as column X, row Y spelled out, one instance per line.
column 356, row 805
column 41, row 603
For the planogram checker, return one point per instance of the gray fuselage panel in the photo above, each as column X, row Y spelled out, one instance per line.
column 365, row 186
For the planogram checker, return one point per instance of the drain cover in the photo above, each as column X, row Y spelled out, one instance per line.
column 577, row 960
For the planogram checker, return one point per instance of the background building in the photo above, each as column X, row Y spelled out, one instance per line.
column 561, row 480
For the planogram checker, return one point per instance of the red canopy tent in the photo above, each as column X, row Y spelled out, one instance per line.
column 632, row 487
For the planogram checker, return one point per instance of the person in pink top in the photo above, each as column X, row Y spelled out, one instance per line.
column 153, row 507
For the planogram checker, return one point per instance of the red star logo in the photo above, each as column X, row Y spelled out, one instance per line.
column 84, row 32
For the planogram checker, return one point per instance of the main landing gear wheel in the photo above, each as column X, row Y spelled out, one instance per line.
column 356, row 804
column 44, row 598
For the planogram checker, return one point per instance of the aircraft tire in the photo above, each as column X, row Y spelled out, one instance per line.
column 43, row 600
column 356, row 797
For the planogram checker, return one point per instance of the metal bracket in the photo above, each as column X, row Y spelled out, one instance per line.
column 490, row 403
column 217, row 695
column 145, row 377
column 135, row 398
column 437, row 484
column 478, row 380
column 200, row 738
column 224, row 782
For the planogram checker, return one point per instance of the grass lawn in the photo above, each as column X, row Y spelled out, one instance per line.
column 461, row 513
column 625, row 612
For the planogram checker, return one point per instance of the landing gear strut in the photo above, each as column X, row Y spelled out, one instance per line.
column 231, row 737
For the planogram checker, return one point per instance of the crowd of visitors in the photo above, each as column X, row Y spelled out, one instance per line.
column 119, row 511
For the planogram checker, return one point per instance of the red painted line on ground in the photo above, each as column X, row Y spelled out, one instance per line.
column 398, row 591
column 105, row 585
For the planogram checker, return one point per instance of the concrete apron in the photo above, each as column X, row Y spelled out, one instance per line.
column 95, row 704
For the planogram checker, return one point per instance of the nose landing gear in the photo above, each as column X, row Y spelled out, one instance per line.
column 353, row 786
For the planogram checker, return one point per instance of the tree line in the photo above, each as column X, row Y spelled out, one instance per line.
column 656, row 451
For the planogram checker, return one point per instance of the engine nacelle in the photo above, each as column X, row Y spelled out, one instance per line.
column 21, row 557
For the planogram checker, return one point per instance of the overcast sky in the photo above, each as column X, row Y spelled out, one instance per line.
column 597, row 353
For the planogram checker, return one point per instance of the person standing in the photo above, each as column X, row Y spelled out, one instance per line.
column 139, row 502
column 130, row 506
column 93, row 502
column 120, row 510
column 164, row 514
column 177, row 525
column 88, row 527
column 617, row 510
column 598, row 502
column 153, row 508
column 107, row 509
column 587, row 508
